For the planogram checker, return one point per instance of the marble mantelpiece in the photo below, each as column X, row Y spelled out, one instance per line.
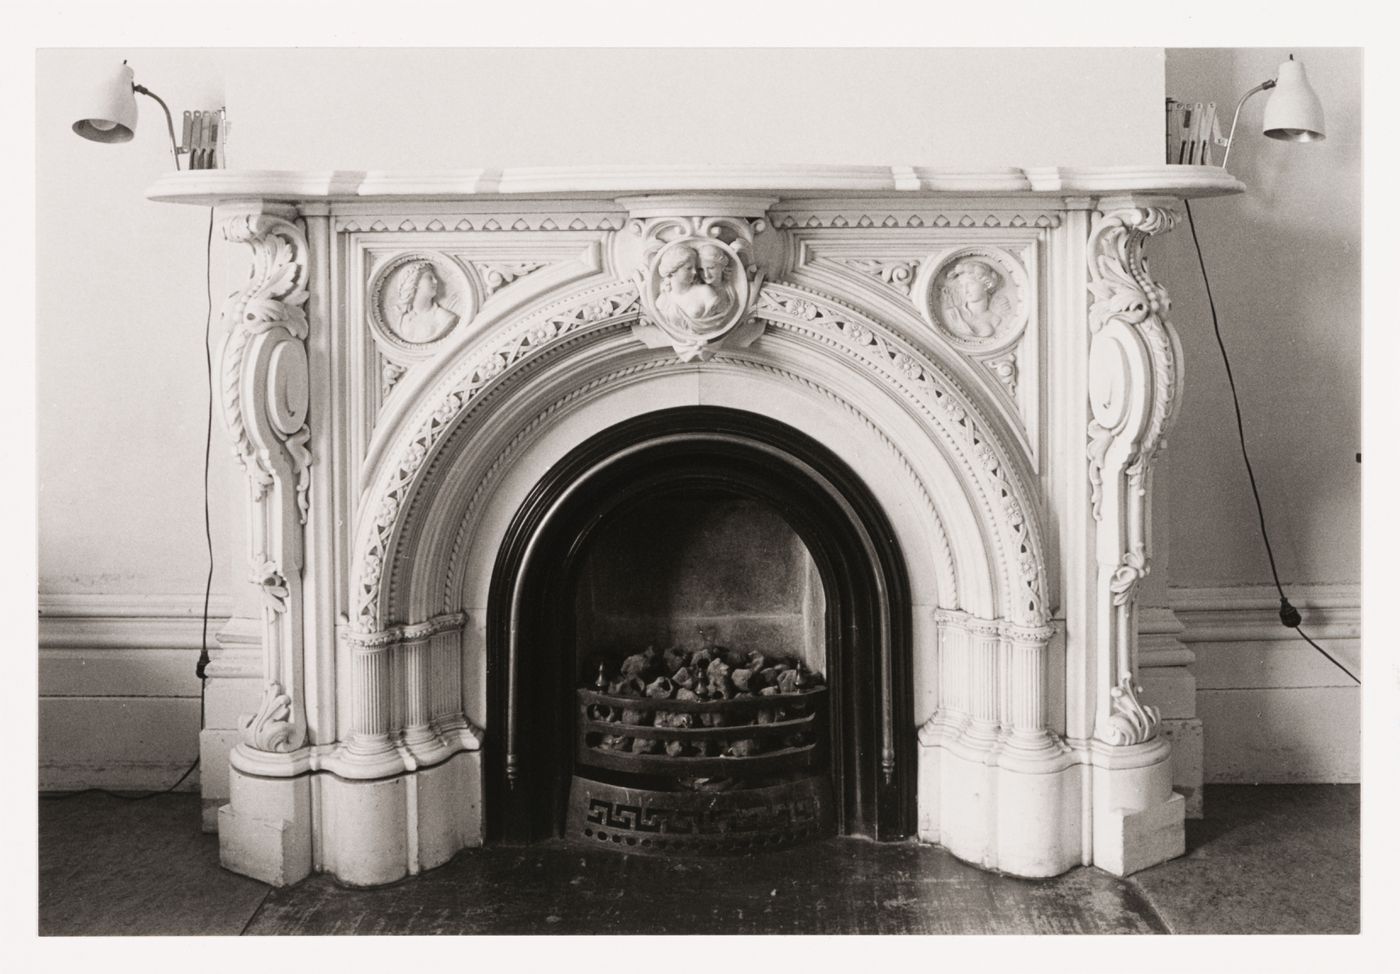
column 412, row 351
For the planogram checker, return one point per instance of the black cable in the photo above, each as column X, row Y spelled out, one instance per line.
column 1287, row 614
column 208, row 537
column 203, row 662
column 60, row 796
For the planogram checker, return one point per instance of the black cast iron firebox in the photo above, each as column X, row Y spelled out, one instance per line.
column 531, row 654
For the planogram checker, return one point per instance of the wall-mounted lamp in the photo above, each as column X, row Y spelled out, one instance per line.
column 1293, row 112
column 110, row 116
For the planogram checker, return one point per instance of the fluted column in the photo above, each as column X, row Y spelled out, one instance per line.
column 371, row 690
column 1026, row 679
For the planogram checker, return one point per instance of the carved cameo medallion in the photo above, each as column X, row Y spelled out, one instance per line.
column 696, row 289
column 975, row 296
column 417, row 299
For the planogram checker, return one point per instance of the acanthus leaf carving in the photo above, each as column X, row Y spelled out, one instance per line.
column 271, row 583
column 391, row 373
column 1128, row 575
column 1134, row 385
column 271, row 301
column 1004, row 368
column 266, row 380
column 1130, row 720
column 272, row 728
column 898, row 274
column 497, row 274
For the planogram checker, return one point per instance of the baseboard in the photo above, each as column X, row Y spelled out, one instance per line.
column 119, row 704
column 1250, row 613
column 1273, row 708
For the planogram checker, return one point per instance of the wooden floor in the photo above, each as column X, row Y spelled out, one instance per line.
column 1267, row 859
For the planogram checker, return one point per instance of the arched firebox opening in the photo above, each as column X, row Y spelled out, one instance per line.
column 699, row 455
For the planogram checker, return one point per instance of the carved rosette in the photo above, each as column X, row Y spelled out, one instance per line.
column 1134, row 387
column 699, row 281
column 266, row 383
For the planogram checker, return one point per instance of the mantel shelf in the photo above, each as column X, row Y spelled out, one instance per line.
column 230, row 186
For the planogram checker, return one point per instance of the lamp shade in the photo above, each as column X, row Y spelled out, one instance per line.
column 1293, row 112
column 109, row 111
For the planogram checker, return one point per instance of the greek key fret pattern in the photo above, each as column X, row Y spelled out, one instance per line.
column 780, row 815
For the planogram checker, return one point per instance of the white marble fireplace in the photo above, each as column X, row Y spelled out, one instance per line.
column 414, row 357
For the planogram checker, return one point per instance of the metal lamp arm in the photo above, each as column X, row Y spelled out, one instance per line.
column 175, row 146
column 1244, row 98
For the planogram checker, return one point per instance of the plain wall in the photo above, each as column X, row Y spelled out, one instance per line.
column 444, row 109
column 1284, row 261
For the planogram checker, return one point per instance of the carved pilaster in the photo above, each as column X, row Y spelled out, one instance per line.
column 265, row 381
column 1134, row 387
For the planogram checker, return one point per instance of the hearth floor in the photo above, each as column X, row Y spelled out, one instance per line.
column 1267, row 859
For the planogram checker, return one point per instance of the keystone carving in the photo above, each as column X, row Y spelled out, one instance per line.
column 699, row 282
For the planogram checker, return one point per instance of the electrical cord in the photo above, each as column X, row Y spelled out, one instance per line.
column 1287, row 614
column 203, row 662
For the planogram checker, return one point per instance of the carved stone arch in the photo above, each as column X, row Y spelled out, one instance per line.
column 406, row 453
column 1008, row 524
column 499, row 417
column 631, row 381
column 976, row 440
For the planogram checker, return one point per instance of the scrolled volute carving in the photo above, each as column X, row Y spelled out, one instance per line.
column 264, row 370
column 1134, row 385
column 1130, row 720
column 272, row 727
column 276, row 287
column 1124, row 293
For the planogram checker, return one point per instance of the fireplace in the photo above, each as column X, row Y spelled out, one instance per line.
column 700, row 526
column 938, row 395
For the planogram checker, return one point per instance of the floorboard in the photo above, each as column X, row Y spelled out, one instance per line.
column 1265, row 859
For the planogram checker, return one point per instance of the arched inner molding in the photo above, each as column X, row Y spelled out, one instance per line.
column 530, row 641
column 564, row 350
column 493, row 424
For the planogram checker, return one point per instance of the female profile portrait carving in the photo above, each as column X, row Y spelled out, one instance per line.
column 421, row 317
column 973, row 303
